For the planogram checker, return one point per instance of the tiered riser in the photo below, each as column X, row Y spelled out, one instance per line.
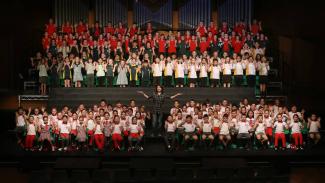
column 72, row 97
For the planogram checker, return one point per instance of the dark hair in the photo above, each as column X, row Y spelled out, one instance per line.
column 162, row 88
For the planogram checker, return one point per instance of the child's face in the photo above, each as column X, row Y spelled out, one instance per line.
column 65, row 119
column 206, row 119
column 295, row 118
column 225, row 119
column 170, row 119
column 243, row 118
column 313, row 117
column 134, row 121
column 188, row 120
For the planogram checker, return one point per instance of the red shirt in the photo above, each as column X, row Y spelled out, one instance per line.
column 204, row 46
column 96, row 31
column 110, row 30
column 192, row 45
column 121, row 30
column 224, row 29
column 161, row 45
column 237, row 46
column 172, row 46
column 81, row 29
column 126, row 44
column 255, row 29
column 70, row 41
column 226, row 45
column 213, row 30
column 101, row 42
column 113, row 44
column 133, row 31
column 239, row 29
column 201, row 30
column 50, row 29
column 46, row 42
column 67, row 29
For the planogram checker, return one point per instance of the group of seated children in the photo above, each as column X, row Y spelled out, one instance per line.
column 220, row 125
column 98, row 127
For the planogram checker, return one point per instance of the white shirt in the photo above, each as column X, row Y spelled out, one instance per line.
column 227, row 69
column 168, row 70
column 100, row 70
column 206, row 127
column 90, row 124
column 295, row 127
column 203, row 71
column 31, row 129
column 134, row 128
column 215, row 72
column 20, row 121
column 157, row 70
column 279, row 127
column 260, row 128
column 98, row 130
column 116, row 129
column 250, row 70
column 215, row 122
column 42, row 70
column 238, row 68
column 268, row 122
column 171, row 127
column 263, row 69
column 243, row 127
column 313, row 127
column 192, row 71
column 90, row 68
column 224, row 130
column 64, row 128
column 189, row 127
column 179, row 72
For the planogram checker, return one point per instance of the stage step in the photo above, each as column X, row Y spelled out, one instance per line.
column 72, row 97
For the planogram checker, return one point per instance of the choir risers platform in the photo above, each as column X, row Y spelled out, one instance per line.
column 74, row 96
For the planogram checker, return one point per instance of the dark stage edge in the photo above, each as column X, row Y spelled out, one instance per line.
column 90, row 96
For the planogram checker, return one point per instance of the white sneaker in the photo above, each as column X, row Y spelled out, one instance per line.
column 60, row 149
column 65, row 148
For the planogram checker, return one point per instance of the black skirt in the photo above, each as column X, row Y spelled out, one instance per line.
column 263, row 79
column 226, row 78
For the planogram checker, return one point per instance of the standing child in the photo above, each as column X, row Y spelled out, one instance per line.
column 110, row 72
column 179, row 73
column 77, row 75
column 203, row 68
column 226, row 71
column 251, row 72
column 314, row 126
column 263, row 68
column 43, row 68
column 267, row 119
column 100, row 68
column 122, row 70
column 215, row 70
column 168, row 72
column 192, row 69
column 156, row 72
column 238, row 67
column 67, row 73
column 90, row 70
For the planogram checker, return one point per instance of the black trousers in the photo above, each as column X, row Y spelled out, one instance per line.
column 168, row 81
